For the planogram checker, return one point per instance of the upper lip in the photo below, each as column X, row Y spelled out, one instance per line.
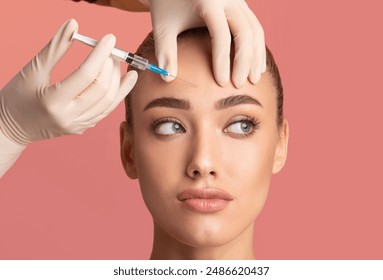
column 206, row 193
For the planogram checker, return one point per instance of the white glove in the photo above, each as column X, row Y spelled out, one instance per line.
column 171, row 17
column 31, row 109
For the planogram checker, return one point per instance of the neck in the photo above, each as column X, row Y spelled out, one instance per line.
column 167, row 247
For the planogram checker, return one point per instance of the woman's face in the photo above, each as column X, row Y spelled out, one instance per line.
column 203, row 155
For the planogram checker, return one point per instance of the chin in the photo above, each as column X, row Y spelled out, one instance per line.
column 204, row 235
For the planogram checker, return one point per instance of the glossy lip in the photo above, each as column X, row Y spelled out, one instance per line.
column 207, row 200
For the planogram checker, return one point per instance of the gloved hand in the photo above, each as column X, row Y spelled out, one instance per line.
column 31, row 109
column 169, row 18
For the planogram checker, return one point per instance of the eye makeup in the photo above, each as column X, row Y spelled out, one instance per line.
column 238, row 127
column 242, row 126
column 167, row 126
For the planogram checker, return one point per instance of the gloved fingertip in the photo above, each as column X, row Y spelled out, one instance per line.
column 222, row 79
column 110, row 38
column 70, row 26
column 129, row 80
column 168, row 78
column 238, row 82
column 222, row 82
column 132, row 76
column 170, row 66
column 221, row 70
column 257, row 77
column 132, row 73
column 254, row 75
column 264, row 66
column 107, row 43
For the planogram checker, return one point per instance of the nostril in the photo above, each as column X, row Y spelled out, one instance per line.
column 200, row 173
column 196, row 173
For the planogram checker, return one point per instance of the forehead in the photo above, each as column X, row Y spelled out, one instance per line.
column 194, row 66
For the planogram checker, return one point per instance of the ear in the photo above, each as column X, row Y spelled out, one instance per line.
column 127, row 152
column 281, row 149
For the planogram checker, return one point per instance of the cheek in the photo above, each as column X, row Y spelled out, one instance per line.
column 160, row 168
column 251, row 170
column 250, row 159
column 158, row 159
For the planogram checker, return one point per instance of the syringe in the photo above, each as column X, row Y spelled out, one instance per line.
column 130, row 58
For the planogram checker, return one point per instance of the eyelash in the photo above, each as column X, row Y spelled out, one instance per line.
column 156, row 123
column 254, row 123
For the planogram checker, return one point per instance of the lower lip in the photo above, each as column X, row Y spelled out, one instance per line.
column 205, row 205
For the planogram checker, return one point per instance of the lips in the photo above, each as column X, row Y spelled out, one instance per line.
column 208, row 200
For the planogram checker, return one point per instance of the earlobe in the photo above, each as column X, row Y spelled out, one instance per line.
column 281, row 150
column 126, row 151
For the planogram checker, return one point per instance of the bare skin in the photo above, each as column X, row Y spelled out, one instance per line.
column 207, row 138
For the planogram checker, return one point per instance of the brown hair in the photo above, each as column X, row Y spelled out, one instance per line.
column 146, row 49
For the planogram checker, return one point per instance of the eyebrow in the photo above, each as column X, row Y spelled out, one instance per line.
column 169, row 102
column 236, row 100
column 183, row 104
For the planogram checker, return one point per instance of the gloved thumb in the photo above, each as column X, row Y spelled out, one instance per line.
column 166, row 52
column 48, row 57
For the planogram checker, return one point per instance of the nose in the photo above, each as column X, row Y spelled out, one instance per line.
column 204, row 157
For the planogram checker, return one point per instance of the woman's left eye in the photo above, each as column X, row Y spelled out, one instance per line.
column 242, row 127
column 169, row 128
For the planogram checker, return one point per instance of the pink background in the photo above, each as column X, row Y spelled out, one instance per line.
column 69, row 198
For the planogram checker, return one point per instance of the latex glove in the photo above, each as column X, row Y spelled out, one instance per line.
column 31, row 109
column 171, row 17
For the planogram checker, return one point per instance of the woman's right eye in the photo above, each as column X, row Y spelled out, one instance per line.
column 169, row 128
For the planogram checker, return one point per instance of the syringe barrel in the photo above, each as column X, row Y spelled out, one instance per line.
column 130, row 58
column 137, row 61
column 120, row 54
